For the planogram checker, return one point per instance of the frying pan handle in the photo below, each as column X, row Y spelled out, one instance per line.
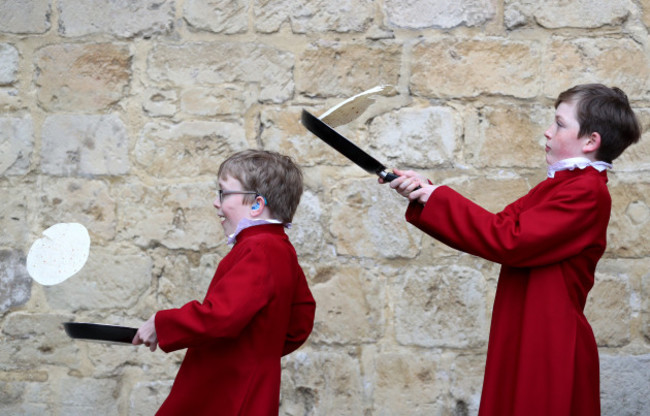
column 388, row 177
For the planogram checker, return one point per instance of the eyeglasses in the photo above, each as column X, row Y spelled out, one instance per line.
column 223, row 193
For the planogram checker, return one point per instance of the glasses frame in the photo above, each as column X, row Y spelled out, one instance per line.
column 223, row 193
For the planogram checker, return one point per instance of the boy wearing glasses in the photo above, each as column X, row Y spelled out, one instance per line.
column 542, row 356
column 258, row 306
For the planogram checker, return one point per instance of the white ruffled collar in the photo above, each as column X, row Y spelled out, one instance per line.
column 576, row 162
column 247, row 222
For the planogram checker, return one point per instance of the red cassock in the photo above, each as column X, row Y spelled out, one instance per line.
column 258, row 308
column 542, row 356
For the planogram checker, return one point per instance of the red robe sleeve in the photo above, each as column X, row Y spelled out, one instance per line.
column 527, row 233
column 231, row 303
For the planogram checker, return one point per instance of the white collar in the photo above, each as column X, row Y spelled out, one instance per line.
column 576, row 162
column 247, row 222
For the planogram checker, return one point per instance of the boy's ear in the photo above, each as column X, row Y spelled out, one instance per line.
column 592, row 144
column 258, row 206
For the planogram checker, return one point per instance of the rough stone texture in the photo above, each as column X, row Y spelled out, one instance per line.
column 85, row 145
column 82, row 77
column 8, row 64
column 120, row 18
column 16, row 145
column 314, row 16
column 417, row 14
column 25, row 16
column 15, row 283
column 116, row 114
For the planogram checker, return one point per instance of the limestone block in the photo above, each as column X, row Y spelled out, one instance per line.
column 314, row 16
column 160, row 103
column 468, row 68
column 16, row 144
column 188, row 149
column 321, row 382
column 366, row 221
column 645, row 6
column 85, row 145
column 82, row 77
column 306, row 233
column 409, row 383
column 466, row 382
column 84, row 396
column 628, row 234
column 265, row 70
column 509, row 136
column 609, row 306
column 15, row 283
column 176, row 216
column 643, row 302
column 221, row 16
column 417, row 14
column 179, row 281
column 615, row 62
column 147, row 397
column 556, row 14
column 624, row 384
column 8, row 62
column 636, row 158
column 330, row 69
column 283, row 132
column 14, row 213
column 30, row 340
column 121, row 18
column 74, row 200
column 442, row 306
column 25, row 398
column 17, row 17
column 108, row 280
column 416, row 137
column 350, row 307
column 218, row 100
column 10, row 99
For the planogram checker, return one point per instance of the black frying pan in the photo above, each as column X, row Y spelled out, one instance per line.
column 345, row 146
column 100, row 332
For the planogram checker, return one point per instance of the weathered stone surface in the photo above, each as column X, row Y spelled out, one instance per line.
column 321, row 382
column 220, row 100
column 350, row 307
column 624, row 384
column 467, row 68
column 188, row 149
column 636, row 158
column 560, row 14
column 613, row 62
column 108, row 280
column 75, row 200
column 365, row 223
column 146, row 397
column 84, row 77
column 427, row 137
column 314, row 16
column 307, row 232
column 91, row 396
column 265, row 70
column 508, row 136
column 85, row 145
column 8, row 63
column 14, row 213
column 18, row 17
column 627, row 234
column 160, row 103
column 176, row 216
column 121, row 18
column 417, row 14
column 329, row 69
column 645, row 9
column 16, row 145
column 221, row 16
column 441, row 307
column 26, row 335
column 15, row 283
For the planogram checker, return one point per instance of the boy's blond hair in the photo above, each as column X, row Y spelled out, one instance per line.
column 272, row 175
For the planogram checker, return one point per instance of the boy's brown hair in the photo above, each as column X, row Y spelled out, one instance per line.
column 272, row 175
column 606, row 111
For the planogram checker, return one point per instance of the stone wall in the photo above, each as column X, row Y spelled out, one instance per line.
column 116, row 114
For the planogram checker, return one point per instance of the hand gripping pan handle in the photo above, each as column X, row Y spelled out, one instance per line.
column 345, row 146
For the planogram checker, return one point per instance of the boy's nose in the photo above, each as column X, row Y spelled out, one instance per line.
column 215, row 203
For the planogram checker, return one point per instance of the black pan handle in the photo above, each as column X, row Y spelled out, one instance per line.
column 388, row 177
